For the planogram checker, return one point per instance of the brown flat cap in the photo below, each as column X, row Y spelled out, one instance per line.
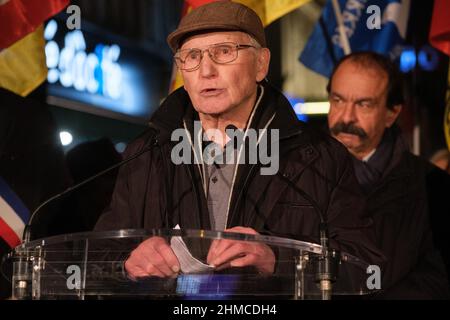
column 218, row 15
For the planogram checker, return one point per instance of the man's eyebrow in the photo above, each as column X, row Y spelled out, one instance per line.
column 359, row 100
column 189, row 49
column 337, row 95
column 365, row 99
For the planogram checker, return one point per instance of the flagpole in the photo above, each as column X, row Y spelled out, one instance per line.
column 345, row 44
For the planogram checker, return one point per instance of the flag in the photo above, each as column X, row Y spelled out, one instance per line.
column 22, row 56
column 267, row 10
column 440, row 39
column 324, row 48
column 440, row 26
column 22, row 65
column 14, row 215
column 447, row 112
column 271, row 10
column 21, row 17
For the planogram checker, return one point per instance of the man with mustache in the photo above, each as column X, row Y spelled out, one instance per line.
column 365, row 94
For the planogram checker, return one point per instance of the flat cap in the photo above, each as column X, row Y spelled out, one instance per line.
column 218, row 16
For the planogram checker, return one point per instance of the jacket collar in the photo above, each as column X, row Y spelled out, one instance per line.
column 398, row 168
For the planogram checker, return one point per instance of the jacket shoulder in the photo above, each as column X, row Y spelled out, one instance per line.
column 140, row 142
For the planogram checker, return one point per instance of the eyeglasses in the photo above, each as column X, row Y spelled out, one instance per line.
column 221, row 53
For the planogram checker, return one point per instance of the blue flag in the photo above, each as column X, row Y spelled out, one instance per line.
column 365, row 28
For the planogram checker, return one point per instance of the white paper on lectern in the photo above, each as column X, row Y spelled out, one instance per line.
column 188, row 263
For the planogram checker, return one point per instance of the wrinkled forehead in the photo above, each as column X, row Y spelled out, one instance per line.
column 213, row 37
column 360, row 79
column 371, row 70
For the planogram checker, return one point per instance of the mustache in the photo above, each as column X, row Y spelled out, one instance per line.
column 349, row 128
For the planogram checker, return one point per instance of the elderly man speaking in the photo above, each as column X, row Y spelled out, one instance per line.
column 231, row 118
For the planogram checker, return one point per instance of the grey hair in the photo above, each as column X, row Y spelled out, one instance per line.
column 253, row 41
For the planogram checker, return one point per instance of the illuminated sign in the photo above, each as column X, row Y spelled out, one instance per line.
column 95, row 70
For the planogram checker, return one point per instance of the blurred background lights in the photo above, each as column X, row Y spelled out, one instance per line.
column 120, row 147
column 66, row 138
column 408, row 59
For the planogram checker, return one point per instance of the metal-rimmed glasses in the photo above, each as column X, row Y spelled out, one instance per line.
column 221, row 53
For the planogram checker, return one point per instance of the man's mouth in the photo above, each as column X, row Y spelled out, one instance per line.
column 210, row 92
column 347, row 135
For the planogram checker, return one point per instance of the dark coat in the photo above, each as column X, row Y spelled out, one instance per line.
column 438, row 189
column 309, row 160
column 399, row 206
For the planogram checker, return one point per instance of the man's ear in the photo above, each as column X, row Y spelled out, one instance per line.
column 392, row 115
column 262, row 67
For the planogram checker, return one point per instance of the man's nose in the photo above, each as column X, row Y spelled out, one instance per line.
column 208, row 67
column 348, row 113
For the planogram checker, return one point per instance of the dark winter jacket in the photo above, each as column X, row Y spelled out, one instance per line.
column 399, row 206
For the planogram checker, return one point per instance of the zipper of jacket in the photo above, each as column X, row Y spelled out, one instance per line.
column 240, row 151
column 194, row 187
column 200, row 165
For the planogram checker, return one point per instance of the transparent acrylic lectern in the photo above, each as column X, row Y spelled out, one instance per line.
column 91, row 266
